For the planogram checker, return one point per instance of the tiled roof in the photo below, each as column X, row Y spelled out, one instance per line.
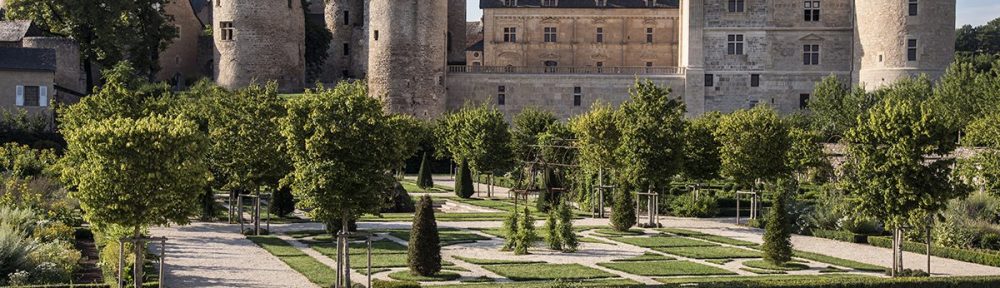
column 27, row 59
column 14, row 31
column 478, row 46
column 473, row 33
column 484, row 4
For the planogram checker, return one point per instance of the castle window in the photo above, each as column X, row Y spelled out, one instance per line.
column 501, row 95
column 649, row 35
column 754, row 80
column 811, row 11
column 734, row 45
column 347, row 49
column 228, row 31
column 509, row 3
column 914, row 7
column 649, row 64
column 376, row 35
column 737, row 6
column 810, row 54
column 289, row 4
column 803, row 101
column 510, row 34
column 602, row 3
column 599, row 37
column 577, row 96
column 911, row 50
column 709, row 80
column 347, row 18
column 550, row 3
column 550, row 34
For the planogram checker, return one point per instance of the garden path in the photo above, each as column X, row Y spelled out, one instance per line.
column 217, row 255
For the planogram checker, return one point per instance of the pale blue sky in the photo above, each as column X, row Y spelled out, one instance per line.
column 975, row 12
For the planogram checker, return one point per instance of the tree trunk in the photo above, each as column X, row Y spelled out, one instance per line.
column 137, row 266
column 88, row 74
column 256, row 212
column 928, row 232
column 347, row 252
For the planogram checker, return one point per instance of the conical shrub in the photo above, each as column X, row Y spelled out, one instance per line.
column 623, row 210
column 778, row 231
column 283, row 202
column 424, row 245
column 424, row 177
column 551, row 226
column 566, row 234
column 510, row 231
column 463, row 182
column 525, row 233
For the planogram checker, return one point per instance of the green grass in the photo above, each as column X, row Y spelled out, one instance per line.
column 412, row 187
column 306, row 233
column 536, row 272
column 662, row 241
column 312, row 269
column 440, row 276
column 603, row 283
column 710, row 252
column 454, row 268
column 480, row 279
column 762, row 264
column 839, row 262
column 648, row 256
column 762, row 271
column 719, row 261
column 442, row 217
column 479, row 261
column 708, row 237
column 678, row 282
column 666, row 268
column 446, row 237
column 612, row 232
column 364, row 271
column 378, row 247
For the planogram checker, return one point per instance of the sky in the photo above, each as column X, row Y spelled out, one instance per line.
column 974, row 12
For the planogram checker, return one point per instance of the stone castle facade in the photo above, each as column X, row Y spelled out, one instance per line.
column 565, row 55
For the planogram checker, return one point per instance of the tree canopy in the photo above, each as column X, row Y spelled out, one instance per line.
column 701, row 148
column 754, row 145
column 835, row 106
column 479, row 135
column 597, row 137
column 651, row 126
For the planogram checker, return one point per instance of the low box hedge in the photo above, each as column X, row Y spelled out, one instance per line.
column 845, row 236
column 837, row 282
column 989, row 258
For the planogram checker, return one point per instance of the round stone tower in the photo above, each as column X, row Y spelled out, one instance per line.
column 408, row 55
column 259, row 40
column 902, row 38
column 345, row 20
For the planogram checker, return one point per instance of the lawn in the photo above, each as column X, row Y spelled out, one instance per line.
column 412, row 187
column 312, row 269
column 440, row 276
column 708, row 237
column 648, row 256
column 838, row 261
column 536, row 272
column 479, row 261
column 378, row 247
column 603, row 283
column 761, row 264
column 666, row 268
column 710, row 252
column 612, row 232
column 443, row 217
column 662, row 241
column 446, row 237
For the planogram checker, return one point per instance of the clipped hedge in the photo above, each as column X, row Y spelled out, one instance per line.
column 820, row 282
column 967, row 255
column 845, row 236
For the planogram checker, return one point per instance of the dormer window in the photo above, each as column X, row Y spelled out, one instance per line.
column 602, row 3
column 550, row 3
column 509, row 3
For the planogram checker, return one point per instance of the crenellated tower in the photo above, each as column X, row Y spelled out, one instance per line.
column 407, row 58
column 259, row 40
column 896, row 39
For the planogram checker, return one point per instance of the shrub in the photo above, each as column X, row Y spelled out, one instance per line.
column 283, row 202
column 15, row 248
column 48, row 231
column 20, row 220
column 424, row 246
column 845, row 236
column 424, row 178
column 989, row 258
column 687, row 205
column 399, row 201
column 463, row 181
column 565, row 229
column 777, row 234
column 551, row 226
column 57, row 261
column 622, row 210
column 207, row 202
column 22, row 161
column 525, row 233
column 548, row 197
column 510, row 231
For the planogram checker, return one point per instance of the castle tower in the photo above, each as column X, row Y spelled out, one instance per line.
column 456, row 32
column 347, row 54
column 408, row 54
column 259, row 40
column 902, row 38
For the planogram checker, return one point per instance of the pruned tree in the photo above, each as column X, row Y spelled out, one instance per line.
column 835, row 106
column 425, row 179
column 701, row 148
column 424, row 252
column 778, row 231
column 754, row 145
column 479, row 136
column 651, row 124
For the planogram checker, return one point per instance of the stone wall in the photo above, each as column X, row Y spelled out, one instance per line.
column 345, row 20
column 9, row 80
column 456, row 32
column 553, row 92
column 624, row 42
column 408, row 55
column 69, row 73
column 268, row 44
column 180, row 59
column 883, row 28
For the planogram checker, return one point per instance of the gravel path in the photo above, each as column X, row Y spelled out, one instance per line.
column 216, row 255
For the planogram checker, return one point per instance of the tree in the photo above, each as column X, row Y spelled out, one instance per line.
column 652, row 127
column 984, row 166
column 891, row 178
column 424, row 246
column 424, row 178
column 597, row 137
column 134, row 173
column 551, row 227
column 967, row 39
column 754, row 145
column 984, row 39
column 567, row 235
column 343, row 147
column 622, row 210
column 283, row 203
column 701, row 148
column 778, row 231
column 805, row 152
column 835, row 106
column 463, row 182
column 479, row 136
column 960, row 98
column 98, row 29
column 528, row 125
column 525, row 233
